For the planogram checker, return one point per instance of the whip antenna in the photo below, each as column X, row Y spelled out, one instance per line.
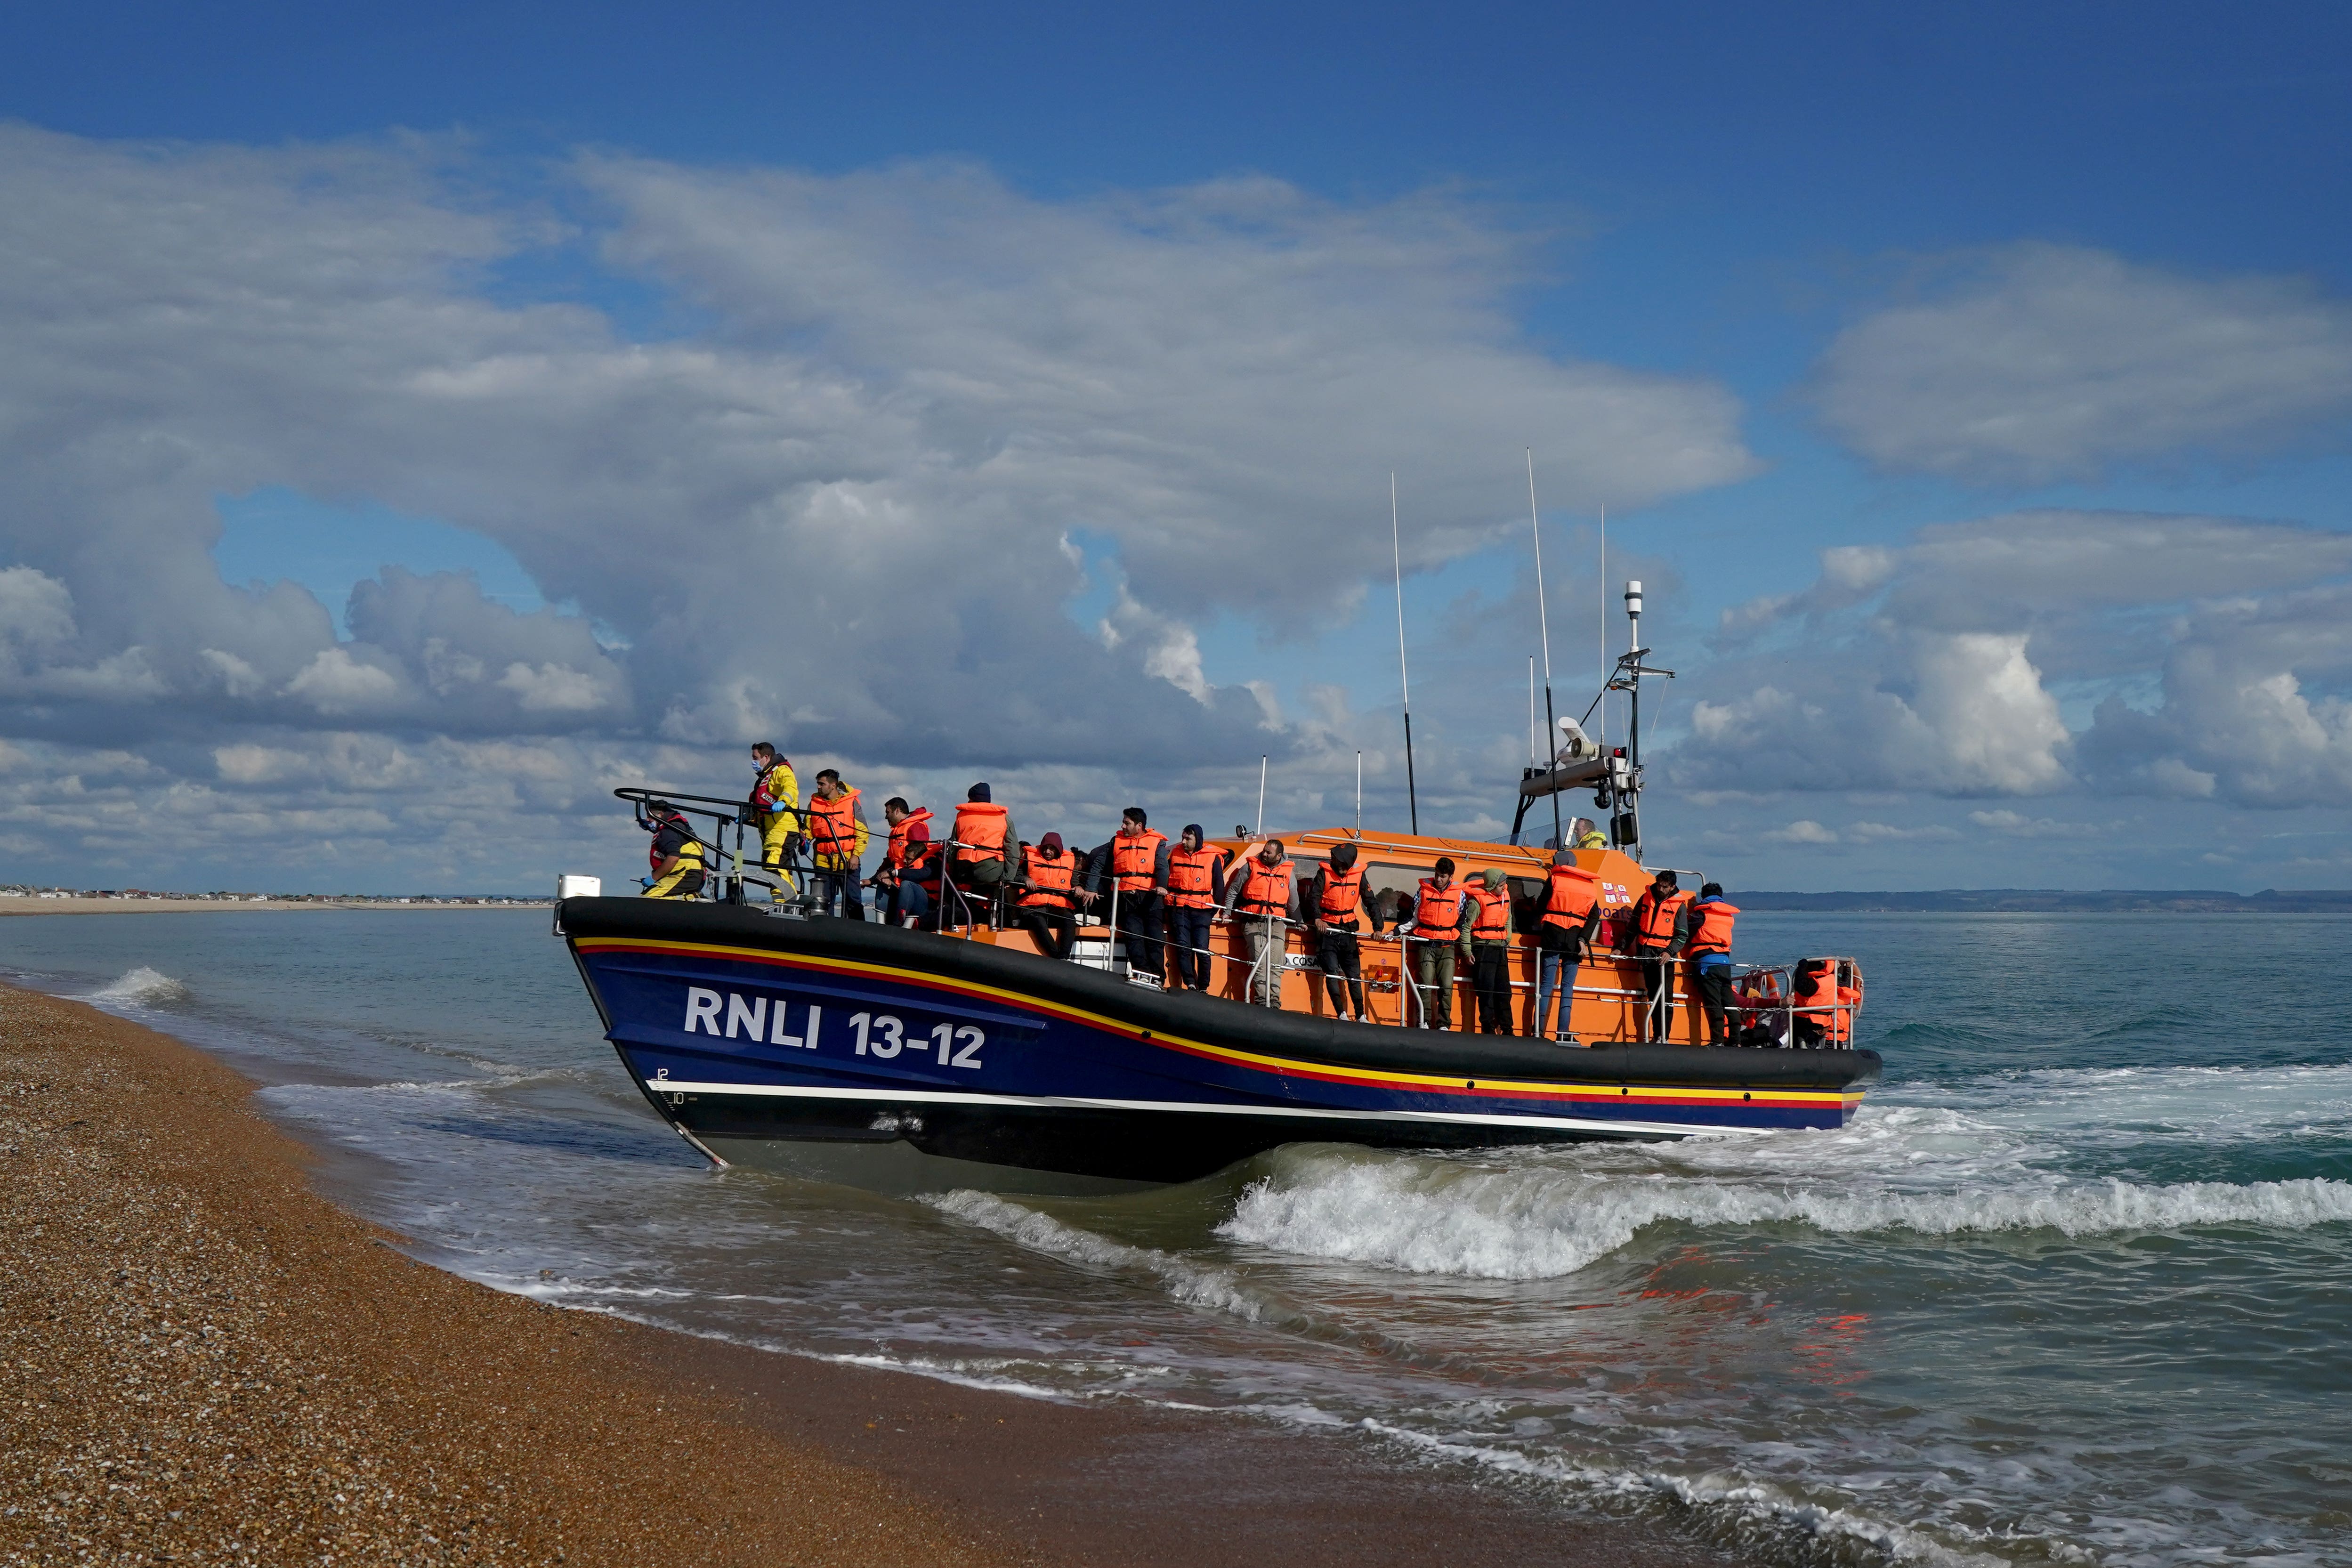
column 1602, row 739
column 1543, row 623
column 1532, row 711
column 1411, row 794
column 1260, row 795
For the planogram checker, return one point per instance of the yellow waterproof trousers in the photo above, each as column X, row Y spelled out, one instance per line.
column 772, row 847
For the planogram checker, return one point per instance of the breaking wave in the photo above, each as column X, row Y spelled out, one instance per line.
column 1535, row 1221
column 141, row 987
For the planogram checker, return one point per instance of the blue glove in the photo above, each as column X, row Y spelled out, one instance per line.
column 645, row 881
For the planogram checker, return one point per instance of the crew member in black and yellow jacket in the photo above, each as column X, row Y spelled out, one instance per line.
column 675, row 856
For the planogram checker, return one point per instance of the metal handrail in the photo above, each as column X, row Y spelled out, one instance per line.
column 729, row 868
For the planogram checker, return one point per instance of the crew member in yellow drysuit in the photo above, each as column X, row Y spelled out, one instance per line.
column 775, row 811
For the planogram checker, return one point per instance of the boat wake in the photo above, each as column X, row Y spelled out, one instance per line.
column 2012, row 1161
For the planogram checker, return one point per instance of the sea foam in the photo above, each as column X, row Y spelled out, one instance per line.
column 141, row 987
column 1535, row 1221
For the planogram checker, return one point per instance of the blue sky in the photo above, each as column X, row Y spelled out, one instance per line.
column 2031, row 273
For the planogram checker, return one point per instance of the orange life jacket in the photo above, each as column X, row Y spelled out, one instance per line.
column 1437, row 911
column 1841, row 1021
column 1190, row 876
column 1135, row 859
column 1711, row 927
column 1653, row 917
column 1830, row 1005
column 895, row 855
column 1493, row 922
column 1573, row 892
column 1343, row 893
column 1267, row 891
column 832, row 829
column 1051, row 882
column 979, row 831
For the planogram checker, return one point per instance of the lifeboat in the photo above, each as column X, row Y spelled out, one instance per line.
column 778, row 1038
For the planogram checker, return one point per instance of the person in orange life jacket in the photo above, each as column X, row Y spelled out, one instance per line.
column 675, row 858
column 837, row 835
column 1487, row 941
column 1136, row 862
column 774, row 810
column 1336, row 907
column 1661, row 927
column 1825, row 988
column 982, row 861
column 1710, row 957
column 1196, row 886
column 1440, row 919
column 1262, row 893
column 1567, row 919
column 899, row 882
column 1050, row 896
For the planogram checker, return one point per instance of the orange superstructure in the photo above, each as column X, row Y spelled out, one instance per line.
column 1608, row 987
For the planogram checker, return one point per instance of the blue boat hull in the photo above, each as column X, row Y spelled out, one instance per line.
column 899, row 1058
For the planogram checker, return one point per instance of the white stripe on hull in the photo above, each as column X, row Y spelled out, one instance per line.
column 1058, row 1102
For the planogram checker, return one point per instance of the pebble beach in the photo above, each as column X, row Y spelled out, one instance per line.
column 207, row 1362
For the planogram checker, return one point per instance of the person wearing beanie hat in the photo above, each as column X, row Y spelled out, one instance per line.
column 1660, row 930
column 1568, row 922
column 1487, row 942
column 980, row 863
column 1050, row 897
column 1338, row 911
column 1709, row 952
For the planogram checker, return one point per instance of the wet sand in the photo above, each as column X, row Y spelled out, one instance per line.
column 203, row 1359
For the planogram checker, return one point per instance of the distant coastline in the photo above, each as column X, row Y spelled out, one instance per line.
column 2055, row 900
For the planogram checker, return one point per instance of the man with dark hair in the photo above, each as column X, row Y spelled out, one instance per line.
column 1137, row 865
column 1336, row 909
column 1661, row 927
column 905, row 867
column 837, row 837
column 1196, row 886
column 1262, row 893
column 1438, row 930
